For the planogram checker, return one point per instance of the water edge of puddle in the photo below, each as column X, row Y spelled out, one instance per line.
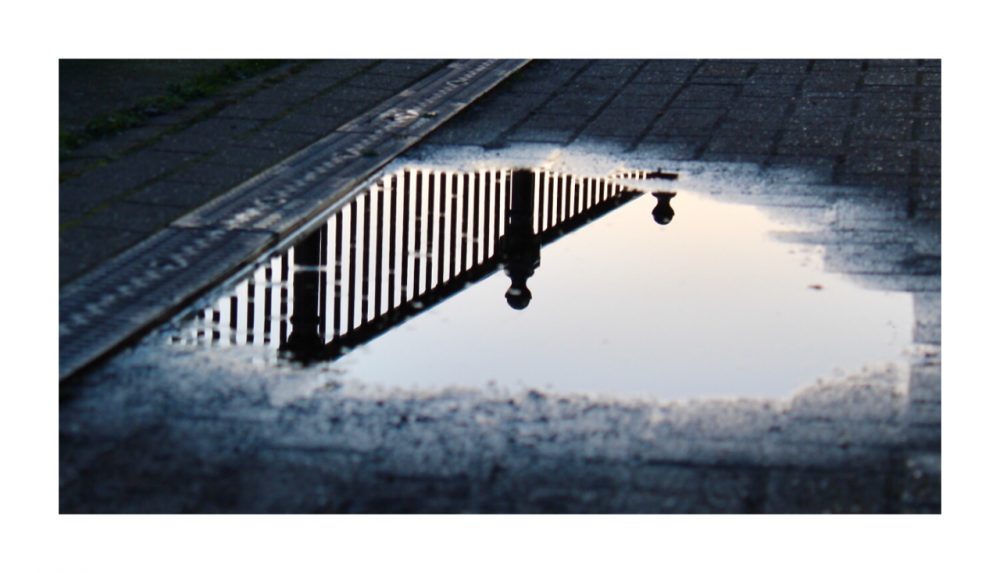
column 708, row 305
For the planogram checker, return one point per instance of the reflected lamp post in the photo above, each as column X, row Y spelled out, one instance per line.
column 521, row 247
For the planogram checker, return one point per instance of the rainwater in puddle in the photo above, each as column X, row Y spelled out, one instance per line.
column 545, row 280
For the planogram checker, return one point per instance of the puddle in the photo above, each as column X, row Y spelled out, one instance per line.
column 545, row 279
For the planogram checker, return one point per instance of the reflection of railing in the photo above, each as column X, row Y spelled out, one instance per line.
column 403, row 245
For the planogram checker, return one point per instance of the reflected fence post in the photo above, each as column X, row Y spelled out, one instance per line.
column 305, row 339
column 469, row 226
column 521, row 250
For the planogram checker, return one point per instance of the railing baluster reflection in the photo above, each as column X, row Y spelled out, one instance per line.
column 442, row 206
column 431, row 190
column 365, row 267
column 379, row 234
column 463, row 264
column 404, row 294
column 417, row 228
column 497, row 192
column 338, row 284
column 452, row 271
column 392, row 243
column 352, row 266
column 475, row 217
column 340, row 299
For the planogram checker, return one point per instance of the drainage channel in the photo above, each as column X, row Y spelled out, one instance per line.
column 123, row 298
column 545, row 280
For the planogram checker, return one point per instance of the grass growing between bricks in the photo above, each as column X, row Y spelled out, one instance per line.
column 177, row 96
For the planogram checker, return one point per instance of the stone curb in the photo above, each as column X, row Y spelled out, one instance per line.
column 127, row 295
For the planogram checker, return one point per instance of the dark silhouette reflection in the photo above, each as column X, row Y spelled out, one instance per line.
column 305, row 339
column 663, row 213
column 521, row 248
column 399, row 248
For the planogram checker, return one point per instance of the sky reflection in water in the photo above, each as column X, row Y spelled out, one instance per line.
column 704, row 306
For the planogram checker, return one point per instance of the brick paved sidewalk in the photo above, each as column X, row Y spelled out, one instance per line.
column 157, row 173
column 867, row 135
column 871, row 123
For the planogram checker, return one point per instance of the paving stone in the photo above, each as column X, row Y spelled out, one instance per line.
column 769, row 90
column 930, row 79
column 388, row 84
column 831, row 82
column 80, row 248
column 607, row 69
column 215, row 175
column 332, row 106
column 672, row 66
column 184, row 195
column 137, row 217
column 895, row 129
column 643, row 101
column 922, row 482
column 837, row 65
column 360, row 94
column 930, row 158
column 878, row 160
column 336, row 69
column 795, row 157
column 254, row 111
column 881, row 104
column 504, row 104
column 407, row 68
column 674, row 122
column 773, row 108
column 67, row 216
column 78, row 199
column 930, row 103
column 207, row 135
column 890, row 78
column 661, row 91
column 309, row 84
column 705, row 96
column 310, row 124
column 128, row 173
column 782, row 67
column 724, row 70
column 759, row 144
column 598, row 87
column 762, row 79
column 464, row 136
column 116, row 146
column 270, row 139
column 249, row 156
column 831, row 141
column 925, row 383
column 576, row 104
column 732, row 157
column 534, row 134
column 621, row 123
column 803, row 491
column 731, row 128
column 277, row 96
column 890, row 63
column 826, row 108
column 927, row 307
column 673, row 148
